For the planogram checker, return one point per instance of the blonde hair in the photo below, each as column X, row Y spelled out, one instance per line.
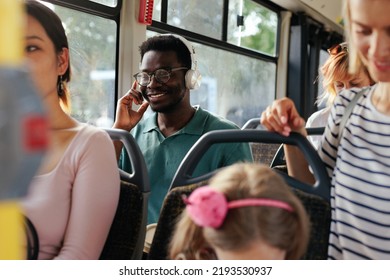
column 336, row 68
column 355, row 63
column 285, row 230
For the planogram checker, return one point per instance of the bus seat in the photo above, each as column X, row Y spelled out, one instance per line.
column 315, row 198
column 125, row 229
column 313, row 204
column 125, row 240
column 32, row 240
column 172, row 208
column 252, row 123
column 279, row 160
column 262, row 152
column 319, row 212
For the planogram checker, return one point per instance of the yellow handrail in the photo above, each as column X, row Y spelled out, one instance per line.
column 11, row 55
column 11, row 232
column 11, row 32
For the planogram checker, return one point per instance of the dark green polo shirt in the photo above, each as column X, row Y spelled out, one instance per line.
column 164, row 155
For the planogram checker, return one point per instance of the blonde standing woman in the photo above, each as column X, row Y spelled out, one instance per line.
column 359, row 163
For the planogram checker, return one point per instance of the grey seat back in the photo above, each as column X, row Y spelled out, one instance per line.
column 127, row 233
column 315, row 197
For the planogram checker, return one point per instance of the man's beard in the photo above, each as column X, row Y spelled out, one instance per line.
column 169, row 108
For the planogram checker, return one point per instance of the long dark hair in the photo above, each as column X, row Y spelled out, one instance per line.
column 56, row 32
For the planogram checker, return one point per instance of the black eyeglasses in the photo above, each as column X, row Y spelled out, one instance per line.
column 161, row 75
column 336, row 49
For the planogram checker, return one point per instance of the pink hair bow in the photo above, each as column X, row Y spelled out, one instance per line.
column 208, row 208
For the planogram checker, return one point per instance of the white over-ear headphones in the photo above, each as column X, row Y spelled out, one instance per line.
column 193, row 77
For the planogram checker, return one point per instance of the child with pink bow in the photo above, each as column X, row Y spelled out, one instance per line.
column 246, row 212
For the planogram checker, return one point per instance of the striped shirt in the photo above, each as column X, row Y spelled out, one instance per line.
column 360, row 176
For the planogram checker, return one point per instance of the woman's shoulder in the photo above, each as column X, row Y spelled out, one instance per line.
column 343, row 101
column 89, row 133
column 91, row 141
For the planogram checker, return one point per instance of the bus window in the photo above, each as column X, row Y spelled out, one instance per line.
column 231, row 91
column 189, row 14
column 238, row 64
column 92, row 41
column 323, row 57
column 252, row 26
column 110, row 3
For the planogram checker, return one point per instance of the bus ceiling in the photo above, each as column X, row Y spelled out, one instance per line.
column 329, row 13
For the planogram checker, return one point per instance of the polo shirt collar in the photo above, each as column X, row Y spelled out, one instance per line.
column 151, row 123
column 197, row 123
column 195, row 126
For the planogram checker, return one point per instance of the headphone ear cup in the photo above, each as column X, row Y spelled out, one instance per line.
column 193, row 79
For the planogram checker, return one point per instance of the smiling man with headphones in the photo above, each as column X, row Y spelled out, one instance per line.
column 168, row 71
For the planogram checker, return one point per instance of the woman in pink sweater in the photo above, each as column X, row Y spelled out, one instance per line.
column 73, row 198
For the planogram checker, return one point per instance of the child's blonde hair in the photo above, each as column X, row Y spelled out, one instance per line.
column 277, row 227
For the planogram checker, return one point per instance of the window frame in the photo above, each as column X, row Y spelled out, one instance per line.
column 103, row 11
column 92, row 8
column 163, row 27
column 222, row 43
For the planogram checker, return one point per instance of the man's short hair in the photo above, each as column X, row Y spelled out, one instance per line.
column 167, row 43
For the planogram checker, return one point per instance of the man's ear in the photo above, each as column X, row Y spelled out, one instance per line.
column 63, row 61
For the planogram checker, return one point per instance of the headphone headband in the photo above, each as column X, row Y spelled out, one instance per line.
column 189, row 46
column 193, row 77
